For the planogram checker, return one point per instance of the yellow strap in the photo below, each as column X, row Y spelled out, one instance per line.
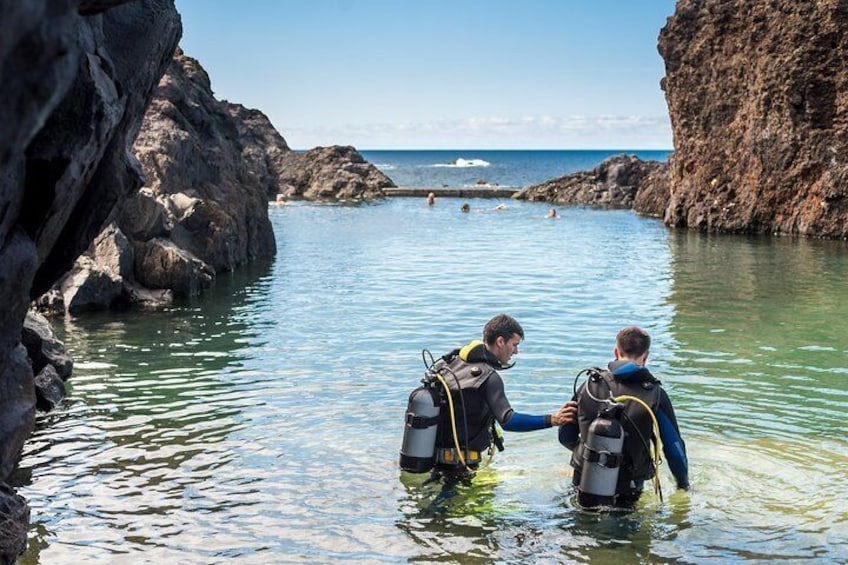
column 465, row 351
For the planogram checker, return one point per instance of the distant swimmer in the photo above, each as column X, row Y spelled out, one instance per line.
column 431, row 199
column 465, row 208
column 552, row 213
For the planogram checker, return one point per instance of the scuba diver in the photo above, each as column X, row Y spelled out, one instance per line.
column 448, row 433
column 615, row 412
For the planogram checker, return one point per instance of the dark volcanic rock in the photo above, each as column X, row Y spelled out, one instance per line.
column 263, row 148
column 758, row 98
column 73, row 97
column 14, row 523
column 43, row 348
column 615, row 183
column 332, row 173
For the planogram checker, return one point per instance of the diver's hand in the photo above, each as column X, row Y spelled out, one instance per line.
column 565, row 415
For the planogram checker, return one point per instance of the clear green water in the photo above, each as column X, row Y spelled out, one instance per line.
column 262, row 423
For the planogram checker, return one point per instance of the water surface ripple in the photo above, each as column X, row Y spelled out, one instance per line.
column 261, row 423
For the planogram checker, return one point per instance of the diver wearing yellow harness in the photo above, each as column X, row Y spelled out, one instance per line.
column 478, row 400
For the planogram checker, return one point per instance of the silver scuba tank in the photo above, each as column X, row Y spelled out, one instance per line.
column 602, row 457
column 418, row 451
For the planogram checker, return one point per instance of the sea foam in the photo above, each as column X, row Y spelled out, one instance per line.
column 464, row 163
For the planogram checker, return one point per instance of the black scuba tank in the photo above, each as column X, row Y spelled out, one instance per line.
column 418, row 451
column 602, row 458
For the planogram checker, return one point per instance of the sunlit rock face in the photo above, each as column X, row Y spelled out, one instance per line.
column 758, row 98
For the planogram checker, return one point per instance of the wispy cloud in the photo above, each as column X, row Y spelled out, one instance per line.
column 530, row 132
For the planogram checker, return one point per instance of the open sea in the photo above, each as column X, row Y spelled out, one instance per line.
column 261, row 423
column 504, row 168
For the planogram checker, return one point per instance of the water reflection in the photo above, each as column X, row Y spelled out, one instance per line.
column 262, row 423
column 149, row 417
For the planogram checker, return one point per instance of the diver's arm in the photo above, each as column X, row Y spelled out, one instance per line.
column 511, row 420
column 569, row 435
column 518, row 422
column 673, row 446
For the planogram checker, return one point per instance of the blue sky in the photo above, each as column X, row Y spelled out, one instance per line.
column 483, row 74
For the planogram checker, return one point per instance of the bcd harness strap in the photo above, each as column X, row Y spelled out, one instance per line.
column 602, row 458
column 420, row 422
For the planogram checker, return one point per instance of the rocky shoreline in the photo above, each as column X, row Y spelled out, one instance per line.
column 124, row 181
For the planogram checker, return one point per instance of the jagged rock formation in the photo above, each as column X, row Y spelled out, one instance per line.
column 74, row 92
column 617, row 182
column 758, row 98
column 332, row 173
column 203, row 210
column 263, row 148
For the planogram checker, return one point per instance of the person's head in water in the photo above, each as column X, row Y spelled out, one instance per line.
column 465, row 207
column 552, row 213
column 431, row 199
column 633, row 344
column 502, row 334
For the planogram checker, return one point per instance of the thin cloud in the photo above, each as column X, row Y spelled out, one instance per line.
column 527, row 132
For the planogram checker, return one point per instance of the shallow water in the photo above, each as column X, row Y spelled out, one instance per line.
column 261, row 424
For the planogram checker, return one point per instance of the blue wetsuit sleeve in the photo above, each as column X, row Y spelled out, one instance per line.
column 569, row 435
column 518, row 422
column 673, row 446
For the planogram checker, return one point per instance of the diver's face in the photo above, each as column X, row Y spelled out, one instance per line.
column 505, row 348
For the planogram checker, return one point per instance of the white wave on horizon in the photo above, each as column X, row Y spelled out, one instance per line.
column 464, row 163
column 385, row 166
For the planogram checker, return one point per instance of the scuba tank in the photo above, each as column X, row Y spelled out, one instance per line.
column 418, row 450
column 602, row 458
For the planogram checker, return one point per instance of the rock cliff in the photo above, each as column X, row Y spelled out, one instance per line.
column 75, row 86
column 204, row 208
column 621, row 181
column 758, row 99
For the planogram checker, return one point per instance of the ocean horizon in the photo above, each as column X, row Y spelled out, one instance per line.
column 506, row 168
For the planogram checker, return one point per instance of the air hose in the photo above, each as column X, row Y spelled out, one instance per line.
column 453, row 420
column 657, row 443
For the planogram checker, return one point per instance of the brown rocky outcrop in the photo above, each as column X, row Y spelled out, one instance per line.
column 263, row 148
column 204, row 208
column 758, row 98
column 332, row 173
column 73, row 97
column 621, row 181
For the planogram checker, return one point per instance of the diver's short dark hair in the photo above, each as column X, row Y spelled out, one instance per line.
column 633, row 341
column 502, row 325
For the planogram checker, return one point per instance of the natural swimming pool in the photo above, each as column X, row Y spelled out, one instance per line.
column 262, row 422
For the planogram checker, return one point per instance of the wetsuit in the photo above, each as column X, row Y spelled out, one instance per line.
column 482, row 401
column 634, row 380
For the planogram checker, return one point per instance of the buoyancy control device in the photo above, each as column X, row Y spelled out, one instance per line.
column 424, row 413
column 603, row 450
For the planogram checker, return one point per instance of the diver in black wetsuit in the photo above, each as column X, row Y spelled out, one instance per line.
column 627, row 375
column 479, row 398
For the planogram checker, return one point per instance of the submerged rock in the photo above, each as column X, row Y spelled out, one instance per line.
column 332, row 173
column 756, row 94
column 14, row 524
column 615, row 183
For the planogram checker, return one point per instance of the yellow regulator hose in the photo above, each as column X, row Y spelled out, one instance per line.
column 453, row 421
column 658, row 445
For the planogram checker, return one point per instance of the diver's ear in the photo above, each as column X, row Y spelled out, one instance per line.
column 616, row 353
